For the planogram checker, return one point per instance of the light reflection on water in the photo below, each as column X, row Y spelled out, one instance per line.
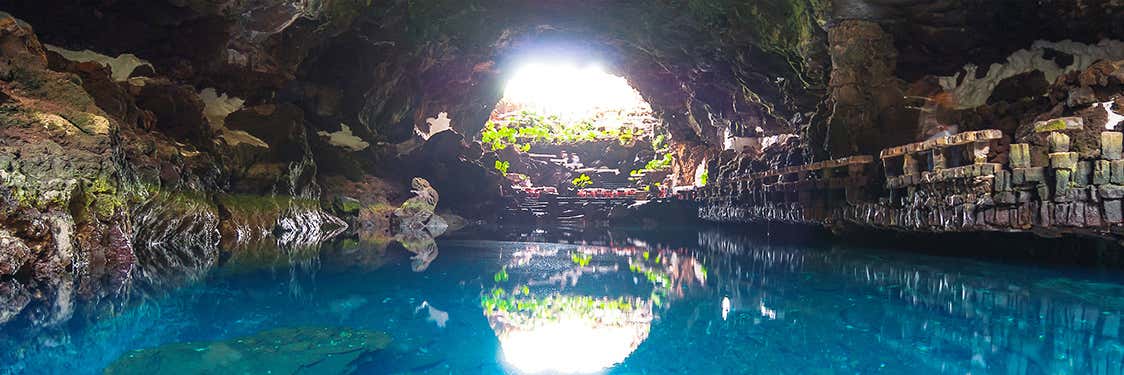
column 693, row 303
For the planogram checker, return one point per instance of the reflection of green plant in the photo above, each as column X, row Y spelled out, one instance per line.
column 500, row 276
column 502, row 166
column 581, row 259
column 581, row 181
column 656, row 275
column 522, row 307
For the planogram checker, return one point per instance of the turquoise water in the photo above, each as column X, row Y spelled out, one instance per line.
column 697, row 303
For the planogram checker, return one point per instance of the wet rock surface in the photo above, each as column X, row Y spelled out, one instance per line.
column 110, row 188
column 302, row 350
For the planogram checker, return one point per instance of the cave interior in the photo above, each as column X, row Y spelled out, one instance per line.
column 146, row 143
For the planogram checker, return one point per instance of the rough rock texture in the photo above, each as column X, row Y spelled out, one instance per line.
column 111, row 187
column 865, row 93
column 59, row 186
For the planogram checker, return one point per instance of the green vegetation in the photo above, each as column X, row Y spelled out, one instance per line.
column 659, row 142
column 502, row 166
column 527, row 128
column 705, row 176
column 659, row 163
column 581, row 181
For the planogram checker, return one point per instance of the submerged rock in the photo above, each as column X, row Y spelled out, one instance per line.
column 301, row 350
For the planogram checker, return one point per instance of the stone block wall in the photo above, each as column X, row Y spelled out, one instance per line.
column 946, row 184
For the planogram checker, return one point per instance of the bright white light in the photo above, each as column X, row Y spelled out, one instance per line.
column 571, row 345
column 570, row 91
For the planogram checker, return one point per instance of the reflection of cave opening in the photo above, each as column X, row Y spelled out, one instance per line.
column 583, row 309
column 575, row 130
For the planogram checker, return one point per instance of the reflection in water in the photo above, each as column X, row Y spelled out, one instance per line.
column 586, row 314
column 570, row 333
column 438, row 317
column 699, row 304
column 418, row 225
column 947, row 316
column 422, row 245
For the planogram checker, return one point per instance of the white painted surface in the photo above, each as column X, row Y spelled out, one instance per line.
column 216, row 107
column 122, row 66
column 973, row 92
column 343, row 138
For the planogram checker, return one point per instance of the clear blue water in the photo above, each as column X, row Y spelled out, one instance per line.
column 705, row 303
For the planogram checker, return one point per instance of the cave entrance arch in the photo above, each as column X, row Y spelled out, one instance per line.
column 574, row 129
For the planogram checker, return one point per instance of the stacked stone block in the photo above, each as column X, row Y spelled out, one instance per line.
column 1110, row 190
column 925, row 191
column 1063, row 164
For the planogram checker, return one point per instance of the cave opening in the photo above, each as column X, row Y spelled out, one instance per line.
column 574, row 129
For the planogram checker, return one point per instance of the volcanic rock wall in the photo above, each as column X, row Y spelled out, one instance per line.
column 1063, row 175
column 96, row 200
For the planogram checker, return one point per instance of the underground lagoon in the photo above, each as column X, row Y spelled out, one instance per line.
column 542, row 187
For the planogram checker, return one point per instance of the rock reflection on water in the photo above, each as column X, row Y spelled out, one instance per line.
column 697, row 303
column 940, row 315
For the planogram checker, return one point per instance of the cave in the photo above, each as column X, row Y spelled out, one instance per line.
column 583, row 186
column 571, row 130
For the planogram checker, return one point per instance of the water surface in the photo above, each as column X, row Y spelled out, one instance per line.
column 694, row 302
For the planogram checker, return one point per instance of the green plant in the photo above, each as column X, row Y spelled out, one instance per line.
column 660, row 162
column 525, row 128
column 502, row 166
column 498, row 137
column 658, row 142
column 581, row 181
column 626, row 136
column 703, row 178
